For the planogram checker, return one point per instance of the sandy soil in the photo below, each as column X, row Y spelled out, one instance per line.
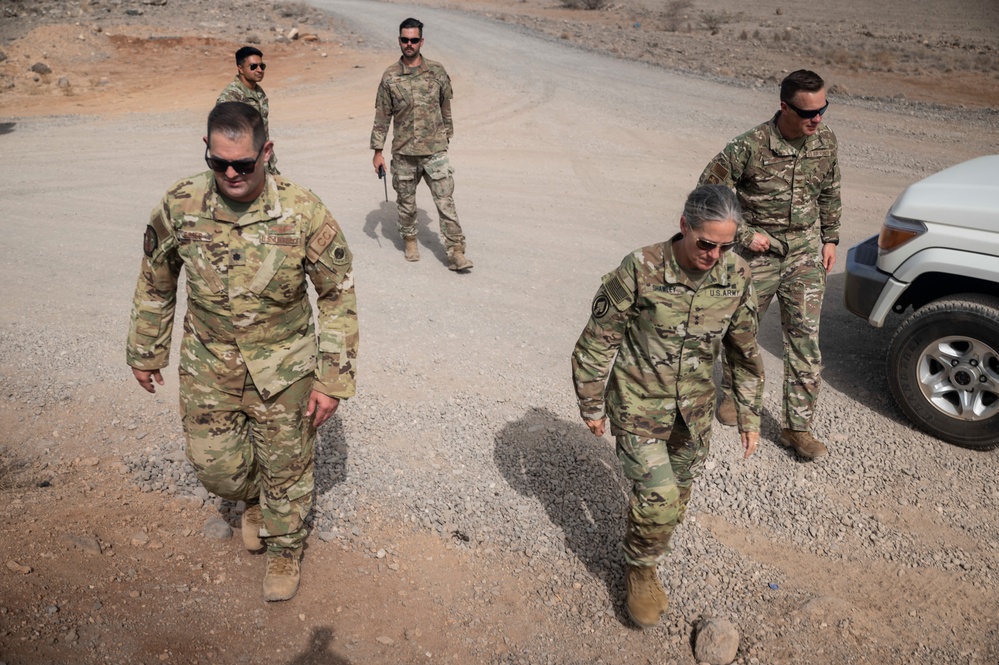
column 79, row 582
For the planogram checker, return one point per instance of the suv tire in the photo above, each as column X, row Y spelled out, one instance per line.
column 943, row 369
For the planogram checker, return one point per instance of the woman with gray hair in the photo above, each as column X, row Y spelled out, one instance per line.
column 645, row 360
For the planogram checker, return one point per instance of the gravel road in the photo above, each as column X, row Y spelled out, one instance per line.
column 465, row 424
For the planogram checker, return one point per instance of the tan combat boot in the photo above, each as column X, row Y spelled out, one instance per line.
column 253, row 522
column 457, row 260
column 284, row 572
column 804, row 444
column 725, row 413
column 646, row 599
column 412, row 249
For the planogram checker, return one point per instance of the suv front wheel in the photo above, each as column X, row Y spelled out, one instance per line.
column 943, row 369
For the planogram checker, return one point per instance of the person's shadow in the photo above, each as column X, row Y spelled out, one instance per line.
column 387, row 217
column 318, row 652
column 577, row 478
column 7, row 127
column 331, row 455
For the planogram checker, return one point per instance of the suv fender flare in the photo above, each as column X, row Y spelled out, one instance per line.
column 935, row 259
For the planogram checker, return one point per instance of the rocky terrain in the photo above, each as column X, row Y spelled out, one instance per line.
column 463, row 512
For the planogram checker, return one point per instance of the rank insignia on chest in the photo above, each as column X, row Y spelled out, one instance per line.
column 237, row 257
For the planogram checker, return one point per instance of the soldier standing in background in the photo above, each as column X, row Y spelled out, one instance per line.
column 415, row 96
column 786, row 175
column 246, row 88
column 254, row 385
column 645, row 361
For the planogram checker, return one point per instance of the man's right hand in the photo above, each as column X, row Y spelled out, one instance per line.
column 146, row 378
column 597, row 426
column 378, row 162
column 759, row 243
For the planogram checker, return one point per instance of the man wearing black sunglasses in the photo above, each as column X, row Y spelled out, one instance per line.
column 246, row 88
column 255, row 382
column 786, row 174
column 414, row 96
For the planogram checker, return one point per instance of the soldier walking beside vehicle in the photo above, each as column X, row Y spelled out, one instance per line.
column 786, row 175
column 415, row 97
column 645, row 359
column 254, row 383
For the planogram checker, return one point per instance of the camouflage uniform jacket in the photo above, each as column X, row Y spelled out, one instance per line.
column 656, row 336
column 782, row 190
column 236, row 91
column 247, row 301
column 419, row 101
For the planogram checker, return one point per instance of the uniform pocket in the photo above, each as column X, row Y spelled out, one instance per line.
column 438, row 166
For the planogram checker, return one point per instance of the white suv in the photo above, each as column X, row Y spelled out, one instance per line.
column 938, row 253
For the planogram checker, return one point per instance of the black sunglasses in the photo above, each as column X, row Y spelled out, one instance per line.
column 707, row 245
column 240, row 166
column 807, row 115
column 254, row 65
column 410, row 40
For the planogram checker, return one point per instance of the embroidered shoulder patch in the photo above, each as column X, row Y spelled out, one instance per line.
column 150, row 241
column 719, row 173
column 617, row 293
column 320, row 242
column 600, row 306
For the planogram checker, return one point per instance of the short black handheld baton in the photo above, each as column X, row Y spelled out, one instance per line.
column 381, row 176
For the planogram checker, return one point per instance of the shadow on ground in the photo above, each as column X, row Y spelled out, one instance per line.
column 6, row 127
column 318, row 652
column 578, row 481
column 383, row 223
column 853, row 353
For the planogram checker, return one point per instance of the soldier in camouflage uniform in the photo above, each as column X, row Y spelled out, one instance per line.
column 645, row 360
column 254, row 384
column 246, row 88
column 415, row 95
column 786, row 175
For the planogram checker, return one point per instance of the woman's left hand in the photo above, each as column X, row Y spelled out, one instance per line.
column 749, row 441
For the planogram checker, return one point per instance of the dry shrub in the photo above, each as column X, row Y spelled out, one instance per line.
column 757, row 35
column 583, row 4
column 839, row 56
column 743, row 36
column 675, row 13
column 884, row 60
column 713, row 21
column 294, row 8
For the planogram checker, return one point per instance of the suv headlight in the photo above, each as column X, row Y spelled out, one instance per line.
column 896, row 231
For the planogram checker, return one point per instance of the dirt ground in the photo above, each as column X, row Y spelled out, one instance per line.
column 102, row 572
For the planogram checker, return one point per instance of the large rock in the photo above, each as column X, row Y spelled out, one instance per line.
column 717, row 642
column 217, row 529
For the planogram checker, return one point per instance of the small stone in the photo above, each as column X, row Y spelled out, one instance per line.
column 41, row 68
column 139, row 539
column 18, row 568
column 85, row 543
column 716, row 642
column 292, row 34
column 217, row 529
column 387, row 641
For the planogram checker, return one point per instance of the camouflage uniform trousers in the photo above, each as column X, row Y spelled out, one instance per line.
column 407, row 170
column 798, row 279
column 662, row 473
column 245, row 448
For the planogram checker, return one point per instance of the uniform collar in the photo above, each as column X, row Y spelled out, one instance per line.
column 673, row 273
column 779, row 145
column 265, row 207
column 419, row 69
